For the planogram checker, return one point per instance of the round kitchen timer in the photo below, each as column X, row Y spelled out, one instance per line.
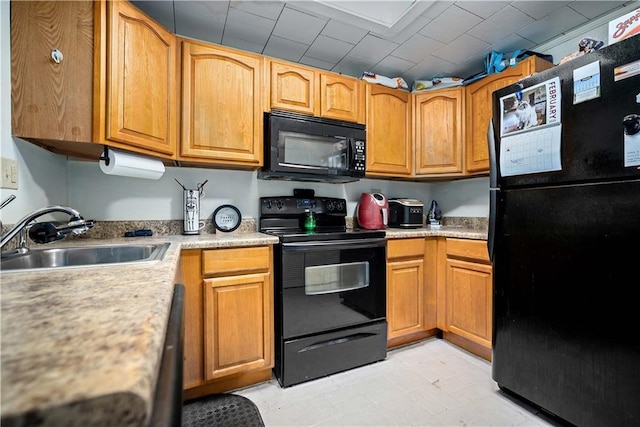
column 227, row 218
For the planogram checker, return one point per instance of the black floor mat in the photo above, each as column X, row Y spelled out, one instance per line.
column 221, row 410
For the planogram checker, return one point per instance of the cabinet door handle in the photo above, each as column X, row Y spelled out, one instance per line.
column 57, row 56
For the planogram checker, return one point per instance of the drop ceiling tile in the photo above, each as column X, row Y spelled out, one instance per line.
column 245, row 26
column 483, row 9
column 552, row 25
column 266, row 9
column 242, row 44
column 328, row 49
column 593, row 9
column 512, row 43
column 470, row 68
column 202, row 20
column 429, row 68
column 403, row 35
column 289, row 50
column 298, row 26
column 500, row 25
column 417, row 48
column 437, row 8
column 161, row 12
column 538, row 9
column 450, row 24
column 392, row 66
column 462, row 49
column 313, row 62
column 352, row 66
column 341, row 31
column 372, row 49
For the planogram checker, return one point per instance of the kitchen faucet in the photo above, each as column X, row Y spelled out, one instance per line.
column 50, row 232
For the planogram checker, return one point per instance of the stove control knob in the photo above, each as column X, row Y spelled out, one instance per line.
column 279, row 204
column 267, row 204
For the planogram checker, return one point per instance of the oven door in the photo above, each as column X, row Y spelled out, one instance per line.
column 328, row 285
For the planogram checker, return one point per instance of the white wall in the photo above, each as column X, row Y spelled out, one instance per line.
column 46, row 178
column 106, row 197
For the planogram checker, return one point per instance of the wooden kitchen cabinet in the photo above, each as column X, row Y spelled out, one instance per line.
column 465, row 298
column 341, row 98
column 228, row 318
column 438, row 118
column 411, row 287
column 479, row 108
column 222, row 117
column 116, row 83
column 389, row 139
column 310, row 91
column 142, row 78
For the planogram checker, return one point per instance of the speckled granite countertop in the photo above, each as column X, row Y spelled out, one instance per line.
column 444, row 231
column 82, row 346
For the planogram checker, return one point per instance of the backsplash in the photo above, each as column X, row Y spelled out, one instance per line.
column 472, row 222
column 114, row 229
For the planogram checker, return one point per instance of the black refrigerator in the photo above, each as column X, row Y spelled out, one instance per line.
column 564, row 237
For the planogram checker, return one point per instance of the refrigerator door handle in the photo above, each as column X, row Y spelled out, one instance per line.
column 493, row 165
column 493, row 192
column 491, row 237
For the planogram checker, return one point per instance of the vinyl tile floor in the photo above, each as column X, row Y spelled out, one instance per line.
column 430, row 383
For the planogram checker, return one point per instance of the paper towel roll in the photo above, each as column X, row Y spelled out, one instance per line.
column 133, row 165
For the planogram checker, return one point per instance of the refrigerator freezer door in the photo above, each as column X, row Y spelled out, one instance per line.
column 566, row 322
column 593, row 141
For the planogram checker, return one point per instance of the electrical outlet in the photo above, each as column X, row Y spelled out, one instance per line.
column 9, row 168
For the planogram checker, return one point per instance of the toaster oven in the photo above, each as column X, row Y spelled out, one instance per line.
column 406, row 213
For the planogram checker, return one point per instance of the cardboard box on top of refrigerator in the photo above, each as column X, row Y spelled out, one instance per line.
column 624, row 27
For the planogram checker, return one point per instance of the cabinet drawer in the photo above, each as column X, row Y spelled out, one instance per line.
column 221, row 262
column 399, row 248
column 466, row 248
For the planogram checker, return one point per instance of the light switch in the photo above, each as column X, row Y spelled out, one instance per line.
column 9, row 168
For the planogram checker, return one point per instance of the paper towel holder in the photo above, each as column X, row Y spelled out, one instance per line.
column 105, row 155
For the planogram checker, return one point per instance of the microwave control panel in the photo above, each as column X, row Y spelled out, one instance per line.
column 358, row 158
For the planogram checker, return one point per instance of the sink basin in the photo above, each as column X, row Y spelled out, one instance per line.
column 84, row 256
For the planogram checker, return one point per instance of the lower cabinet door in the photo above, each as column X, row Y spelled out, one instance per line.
column 469, row 296
column 238, row 324
column 405, row 284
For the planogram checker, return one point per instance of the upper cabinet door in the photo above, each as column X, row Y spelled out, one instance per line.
column 439, row 132
column 221, row 105
column 142, row 81
column 293, row 88
column 341, row 98
column 389, row 145
column 43, row 106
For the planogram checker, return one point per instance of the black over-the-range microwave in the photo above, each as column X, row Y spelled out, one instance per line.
column 308, row 148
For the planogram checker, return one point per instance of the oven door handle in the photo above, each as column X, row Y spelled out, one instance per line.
column 336, row 244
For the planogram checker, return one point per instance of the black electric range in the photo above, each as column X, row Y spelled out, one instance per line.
column 284, row 217
column 329, row 289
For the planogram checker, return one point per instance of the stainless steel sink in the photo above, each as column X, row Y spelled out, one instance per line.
column 84, row 256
